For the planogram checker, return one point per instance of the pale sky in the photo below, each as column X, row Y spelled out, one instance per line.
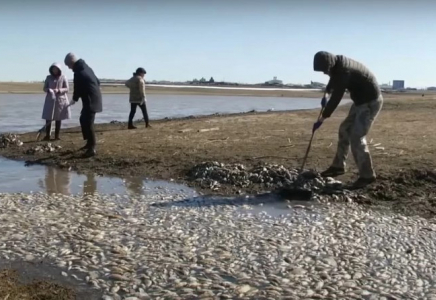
column 242, row 40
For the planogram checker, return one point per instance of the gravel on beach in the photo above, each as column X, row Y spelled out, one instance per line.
column 169, row 247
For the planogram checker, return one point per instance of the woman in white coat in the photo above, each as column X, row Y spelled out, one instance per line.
column 56, row 106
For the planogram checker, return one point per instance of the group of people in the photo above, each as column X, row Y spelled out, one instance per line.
column 86, row 87
column 345, row 74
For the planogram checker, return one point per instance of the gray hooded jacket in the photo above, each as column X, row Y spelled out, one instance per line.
column 346, row 74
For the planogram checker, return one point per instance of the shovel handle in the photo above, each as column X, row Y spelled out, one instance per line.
column 323, row 104
column 307, row 152
column 313, row 133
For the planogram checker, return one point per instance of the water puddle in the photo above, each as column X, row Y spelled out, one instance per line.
column 269, row 204
column 17, row 178
column 44, row 271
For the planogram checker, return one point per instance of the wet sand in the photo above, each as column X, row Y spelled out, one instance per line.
column 20, row 280
column 402, row 144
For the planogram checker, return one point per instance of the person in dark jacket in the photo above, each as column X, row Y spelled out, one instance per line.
column 86, row 87
column 348, row 74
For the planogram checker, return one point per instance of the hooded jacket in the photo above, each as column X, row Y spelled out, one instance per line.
column 136, row 84
column 87, row 87
column 60, row 82
column 346, row 74
column 56, row 105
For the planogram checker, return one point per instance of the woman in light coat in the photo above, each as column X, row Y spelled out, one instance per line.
column 56, row 106
column 136, row 84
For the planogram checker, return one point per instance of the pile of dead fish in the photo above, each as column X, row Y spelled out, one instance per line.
column 46, row 148
column 9, row 139
column 213, row 174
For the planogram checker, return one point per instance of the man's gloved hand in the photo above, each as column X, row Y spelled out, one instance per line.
column 323, row 101
column 317, row 125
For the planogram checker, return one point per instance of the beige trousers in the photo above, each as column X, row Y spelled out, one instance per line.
column 352, row 132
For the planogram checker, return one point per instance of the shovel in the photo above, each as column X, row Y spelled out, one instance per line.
column 299, row 193
column 323, row 104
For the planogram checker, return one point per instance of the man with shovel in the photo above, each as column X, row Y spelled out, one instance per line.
column 348, row 74
column 86, row 87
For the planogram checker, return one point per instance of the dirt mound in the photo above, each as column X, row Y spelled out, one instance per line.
column 268, row 175
column 12, row 289
column 9, row 139
column 407, row 192
column 44, row 148
column 213, row 174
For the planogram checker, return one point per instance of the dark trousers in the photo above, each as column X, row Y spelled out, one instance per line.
column 87, row 123
column 48, row 128
column 143, row 108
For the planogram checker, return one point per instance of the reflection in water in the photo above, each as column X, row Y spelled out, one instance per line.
column 56, row 181
column 17, row 178
column 90, row 184
column 134, row 185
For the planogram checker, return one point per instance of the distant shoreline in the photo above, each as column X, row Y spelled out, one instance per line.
column 117, row 88
column 206, row 90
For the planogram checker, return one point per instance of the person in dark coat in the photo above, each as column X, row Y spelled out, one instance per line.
column 348, row 74
column 86, row 87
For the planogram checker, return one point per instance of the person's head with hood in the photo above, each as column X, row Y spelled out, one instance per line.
column 140, row 72
column 70, row 60
column 323, row 62
column 55, row 70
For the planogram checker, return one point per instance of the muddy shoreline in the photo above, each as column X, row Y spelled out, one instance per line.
column 401, row 142
column 41, row 280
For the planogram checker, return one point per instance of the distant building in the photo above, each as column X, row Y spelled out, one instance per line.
column 317, row 84
column 274, row 81
column 385, row 86
column 398, row 84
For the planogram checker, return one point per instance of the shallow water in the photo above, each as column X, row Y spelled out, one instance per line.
column 22, row 112
column 17, row 178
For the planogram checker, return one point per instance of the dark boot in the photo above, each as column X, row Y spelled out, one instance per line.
column 132, row 115
column 333, row 172
column 47, row 131
column 90, row 152
column 57, row 130
column 145, row 115
column 86, row 147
